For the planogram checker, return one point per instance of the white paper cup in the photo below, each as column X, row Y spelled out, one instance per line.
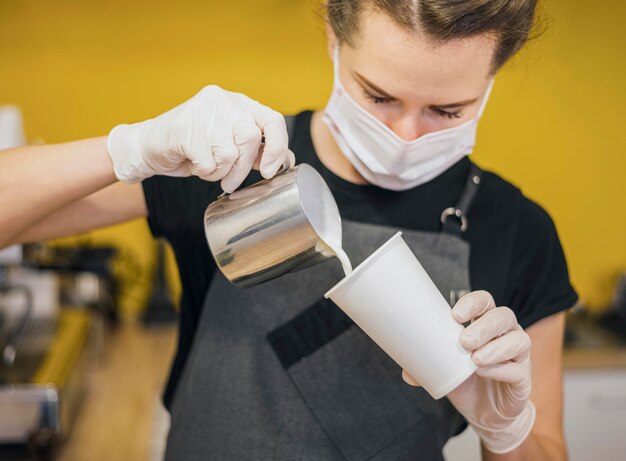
column 393, row 300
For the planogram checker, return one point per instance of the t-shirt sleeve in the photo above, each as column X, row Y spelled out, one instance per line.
column 176, row 205
column 539, row 279
column 155, row 203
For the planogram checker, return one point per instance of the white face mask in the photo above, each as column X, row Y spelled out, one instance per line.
column 383, row 158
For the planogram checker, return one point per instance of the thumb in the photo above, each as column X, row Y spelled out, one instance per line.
column 410, row 380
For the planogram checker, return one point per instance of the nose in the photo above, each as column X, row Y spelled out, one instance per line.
column 408, row 127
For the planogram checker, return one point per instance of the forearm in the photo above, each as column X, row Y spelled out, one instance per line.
column 534, row 448
column 36, row 181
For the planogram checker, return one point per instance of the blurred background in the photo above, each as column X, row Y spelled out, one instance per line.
column 76, row 69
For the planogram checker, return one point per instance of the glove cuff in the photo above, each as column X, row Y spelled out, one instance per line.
column 124, row 150
column 504, row 440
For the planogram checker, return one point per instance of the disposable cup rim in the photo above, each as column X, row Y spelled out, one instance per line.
column 455, row 382
column 365, row 263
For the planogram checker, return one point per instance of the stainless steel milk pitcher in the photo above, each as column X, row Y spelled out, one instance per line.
column 277, row 225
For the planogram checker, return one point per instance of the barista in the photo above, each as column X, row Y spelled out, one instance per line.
column 275, row 372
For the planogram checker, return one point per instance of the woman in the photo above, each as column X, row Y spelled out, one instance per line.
column 275, row 372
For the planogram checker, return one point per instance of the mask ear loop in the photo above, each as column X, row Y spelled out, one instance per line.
column 485, row 99
column 336, row 64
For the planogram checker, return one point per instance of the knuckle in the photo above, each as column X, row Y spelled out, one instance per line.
column 466, row 340
column 207, row 95
column 275, row 123
column 204, row 166
column 226, row 158
column 231, row 156
column 247, row 133
column 210, row 89
column 521, row 347
column 508, row 314
column 219, row 173
column 202, row 170
column 486, row 297
column 277, row 118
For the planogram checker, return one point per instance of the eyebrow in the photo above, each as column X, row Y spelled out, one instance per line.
column 366, row 82
column 384, row 94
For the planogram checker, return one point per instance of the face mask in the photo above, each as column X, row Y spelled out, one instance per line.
column 383, row 158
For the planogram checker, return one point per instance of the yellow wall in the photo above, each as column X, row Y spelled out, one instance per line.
column 554, row 124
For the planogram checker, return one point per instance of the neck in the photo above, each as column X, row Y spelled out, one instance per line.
column 329, row 152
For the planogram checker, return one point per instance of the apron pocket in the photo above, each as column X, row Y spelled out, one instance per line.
column 353, row 388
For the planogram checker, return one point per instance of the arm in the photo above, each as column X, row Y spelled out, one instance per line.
column 37, row 181
column 546, row 441
column 57, row 190
column 112, row 205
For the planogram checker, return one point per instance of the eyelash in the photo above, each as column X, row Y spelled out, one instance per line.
column 444, row 113
column 376, row 99
column 441, row 112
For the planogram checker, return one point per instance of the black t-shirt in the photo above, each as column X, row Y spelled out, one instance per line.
column 515, row 250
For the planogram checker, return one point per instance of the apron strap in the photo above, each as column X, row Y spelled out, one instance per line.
column 459, row 224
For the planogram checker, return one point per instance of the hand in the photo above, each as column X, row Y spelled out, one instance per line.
column 494, row 400
column 215, row 135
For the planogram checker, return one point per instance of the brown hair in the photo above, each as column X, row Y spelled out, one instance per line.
column 510, row 21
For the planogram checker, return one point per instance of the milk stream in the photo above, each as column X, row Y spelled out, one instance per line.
column 345, row 261
column 332, row 241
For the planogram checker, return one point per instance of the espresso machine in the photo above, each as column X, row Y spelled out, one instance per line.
column 42, row 361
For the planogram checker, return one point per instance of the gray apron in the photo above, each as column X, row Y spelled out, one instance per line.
column 278, row 373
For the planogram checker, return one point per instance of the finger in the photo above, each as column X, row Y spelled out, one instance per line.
column 202, row 165
column 513, row 346
column 226, row 154
column 409, row 379
column 247, row 138
column 274, row 128
column 472, row 306
column 291, row 160
column 492, row 324
column 182, row 170
column 508, row 372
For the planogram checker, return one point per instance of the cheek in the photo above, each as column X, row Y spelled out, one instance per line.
column 432, row 122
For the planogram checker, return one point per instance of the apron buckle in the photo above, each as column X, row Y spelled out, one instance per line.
column 456, row 212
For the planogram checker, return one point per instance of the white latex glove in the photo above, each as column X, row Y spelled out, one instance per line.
column 494, row 400
column 215, row 135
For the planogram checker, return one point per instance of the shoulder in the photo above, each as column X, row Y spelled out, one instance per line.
column 503, row 200
column 528, row 219
column 517, row 250
column 497, row 192
column 537, row 280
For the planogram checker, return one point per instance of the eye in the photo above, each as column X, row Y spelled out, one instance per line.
column 445, row 113
column 374, row 98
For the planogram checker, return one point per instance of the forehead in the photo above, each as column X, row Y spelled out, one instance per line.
column 402, row 59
